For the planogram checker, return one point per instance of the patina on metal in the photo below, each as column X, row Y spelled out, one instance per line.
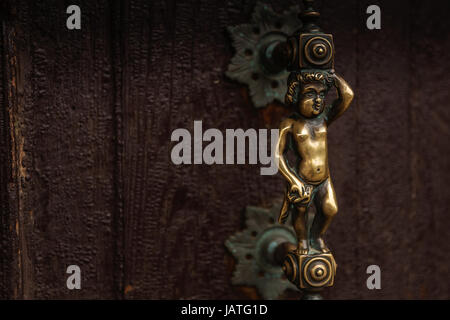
column 261, row 54
column 309, row 198
column 260, row 249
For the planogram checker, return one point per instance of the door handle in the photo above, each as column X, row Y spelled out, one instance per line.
column 278, row 57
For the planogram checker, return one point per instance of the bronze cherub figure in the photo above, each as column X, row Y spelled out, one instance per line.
column 305, row 134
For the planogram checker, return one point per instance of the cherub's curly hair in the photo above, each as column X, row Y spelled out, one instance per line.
column 296, row 81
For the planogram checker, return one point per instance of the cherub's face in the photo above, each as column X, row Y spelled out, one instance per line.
column 312, row 99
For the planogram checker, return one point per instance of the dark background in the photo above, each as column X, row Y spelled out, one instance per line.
column 85, row 171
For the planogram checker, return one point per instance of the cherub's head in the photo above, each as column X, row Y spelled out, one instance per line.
column 307, row 91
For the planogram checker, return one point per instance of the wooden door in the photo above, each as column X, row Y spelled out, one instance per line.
column 86, row 178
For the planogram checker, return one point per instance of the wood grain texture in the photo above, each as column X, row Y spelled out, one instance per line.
column 86, row 178
column 428, row 219
column 63, row 142
column 176, row 58
column 7, row 236
column 383, row 179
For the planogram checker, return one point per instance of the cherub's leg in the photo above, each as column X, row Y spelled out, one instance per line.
column 326, row 207
column 299, row 223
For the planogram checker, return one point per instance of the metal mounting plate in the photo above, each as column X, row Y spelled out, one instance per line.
column 252, row 247
column 249, row 40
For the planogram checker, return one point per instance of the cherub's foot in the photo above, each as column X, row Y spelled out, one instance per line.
column 322, row 246
column 302, row 247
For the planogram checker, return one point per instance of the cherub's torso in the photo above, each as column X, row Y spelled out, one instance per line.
column 310, row 137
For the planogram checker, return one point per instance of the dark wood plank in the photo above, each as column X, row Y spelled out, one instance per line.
column 8, row 238
column 63, row 146
column 383, row 159
column 427, row 240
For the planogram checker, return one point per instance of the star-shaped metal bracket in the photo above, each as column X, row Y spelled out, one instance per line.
column 250, row 41
column 254, row 248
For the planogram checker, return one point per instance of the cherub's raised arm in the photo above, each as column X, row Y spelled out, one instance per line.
column 345, row 97
column 285, row 129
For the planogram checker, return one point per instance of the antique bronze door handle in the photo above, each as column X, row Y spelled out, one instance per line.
column 309, row 199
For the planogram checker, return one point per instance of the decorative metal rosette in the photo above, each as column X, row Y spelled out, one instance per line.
column 250, row 41
column 254, row 248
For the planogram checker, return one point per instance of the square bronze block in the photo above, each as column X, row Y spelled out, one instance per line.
column 316, row 271
column 316, row 51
